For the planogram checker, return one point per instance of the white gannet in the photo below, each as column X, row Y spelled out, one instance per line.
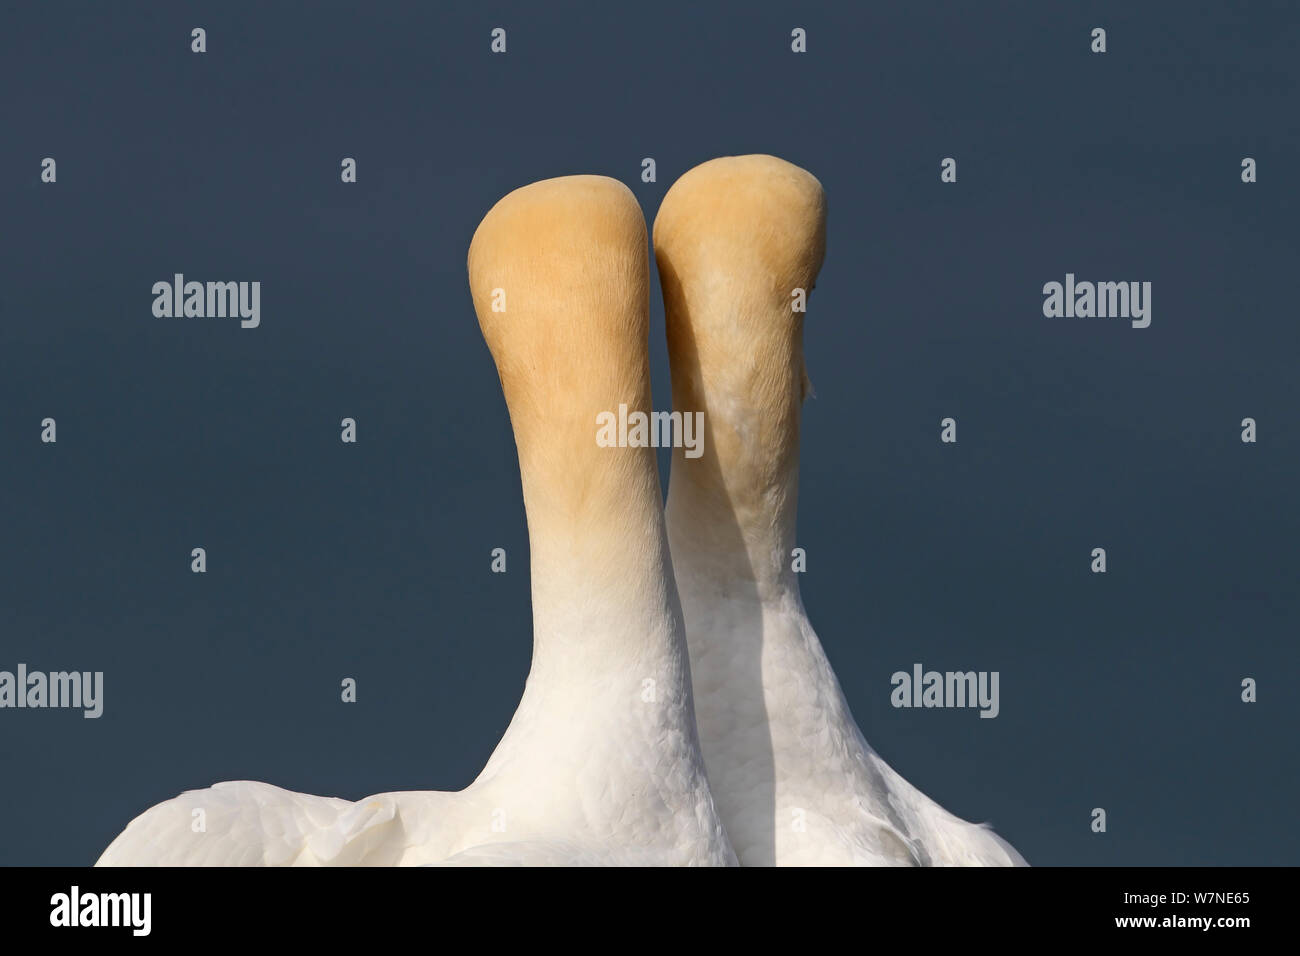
column 792, row 775
column 601, row 762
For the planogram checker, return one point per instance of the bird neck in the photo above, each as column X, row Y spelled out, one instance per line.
column 732, row 510
column 605, row 603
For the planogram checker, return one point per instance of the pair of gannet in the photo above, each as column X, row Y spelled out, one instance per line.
column 602, row 762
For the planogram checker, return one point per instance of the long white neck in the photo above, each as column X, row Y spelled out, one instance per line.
column 566, row 259
column 605, row 604
column 770, row 708
column 606, row 727
column 739, row 240
column 732, row 511
column 610, row 678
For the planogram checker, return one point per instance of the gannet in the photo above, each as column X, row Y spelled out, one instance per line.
column 794, row 779
column 601, row 763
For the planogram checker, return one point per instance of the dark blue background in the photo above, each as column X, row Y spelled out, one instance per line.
column 372, row 561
